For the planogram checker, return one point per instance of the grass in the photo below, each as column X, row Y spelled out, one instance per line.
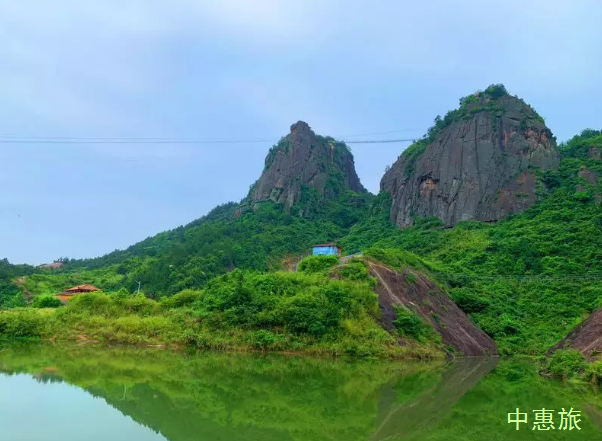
column 240, row 311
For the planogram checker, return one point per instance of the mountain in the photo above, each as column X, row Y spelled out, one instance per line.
column 479, row 162
column 308, row 193
column 305, row 166
column 525, row 280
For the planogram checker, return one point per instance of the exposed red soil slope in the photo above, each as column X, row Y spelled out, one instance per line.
column 413, row 291
column 585, row 337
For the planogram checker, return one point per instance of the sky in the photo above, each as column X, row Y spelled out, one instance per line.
column 247, row 70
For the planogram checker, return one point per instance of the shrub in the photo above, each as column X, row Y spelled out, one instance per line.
column 397, row 259
column 496, row 91
column 21, row 324
column 94, row 302
column 593, row 372
column 263, row 339
column 142, row 327
column 355, row 270
column 565, row 363
column 409, row 324
column 16, row 301
column 188, row 297
column 582, row 196
column 316, row 264
column 121, row 294
column 46, row 301
column 468, row 300
column 305, row 314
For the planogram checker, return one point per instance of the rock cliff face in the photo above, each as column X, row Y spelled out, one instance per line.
column 476, row 163
column 585, row 337
column 426, row 299
column 303, row 161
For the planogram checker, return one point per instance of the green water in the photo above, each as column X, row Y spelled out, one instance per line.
column 69, row 393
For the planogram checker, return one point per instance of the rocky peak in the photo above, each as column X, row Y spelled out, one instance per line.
column 475, row 163
column 305, row 162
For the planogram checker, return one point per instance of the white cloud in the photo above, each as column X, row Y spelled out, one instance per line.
column 89, row 68
column 236, row 68
column 273, row 18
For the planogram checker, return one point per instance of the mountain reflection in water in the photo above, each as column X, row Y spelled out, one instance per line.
column 214, row 396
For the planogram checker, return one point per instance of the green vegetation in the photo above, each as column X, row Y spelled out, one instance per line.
column 10, row 295
column 480, row 101
column 409, row 324
column 189, row 257
column 516, row 279
column 565, row 364
column 46, row 301
column 51, row 282
column 218, row 282
column 316, row 264
column 241, row 310
column 189, row 396
column 356, row 270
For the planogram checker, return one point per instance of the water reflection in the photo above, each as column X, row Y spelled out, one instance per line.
column 34, row 410
column 208, row 396
column 410, row 417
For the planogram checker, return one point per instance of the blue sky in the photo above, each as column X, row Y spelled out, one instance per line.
column 238, row 69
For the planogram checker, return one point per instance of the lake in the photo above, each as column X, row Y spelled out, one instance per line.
column 74, row 393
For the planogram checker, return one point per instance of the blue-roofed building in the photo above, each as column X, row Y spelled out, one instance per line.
column 326, row 249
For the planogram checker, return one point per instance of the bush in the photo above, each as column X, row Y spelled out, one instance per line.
column 298, row 302
column 409, row 324
column 47, row 301
column 496, row 91
column 21, row 324
column 263, row 339
column 16, row 301
column 565, row 363
column 120, row 294
column 305, row 314
column 593, row 372
column 397, row 259
column 142, row 327
column 355, row 270
column 188, row 297
column 316, row 264
column 582, row 196
column 468, row 300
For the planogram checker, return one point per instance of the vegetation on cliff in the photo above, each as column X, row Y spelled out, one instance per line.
column 219, row 281
column 526, row 280
column 309, row 311
column 480, row 101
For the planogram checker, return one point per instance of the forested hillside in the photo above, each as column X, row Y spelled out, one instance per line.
column 10, row 295
column 526, row 280
column 308, row 193
column 261, row 239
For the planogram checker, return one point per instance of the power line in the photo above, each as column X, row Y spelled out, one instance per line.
column 379, row 141
column 569, row 277
column 130, row 141
column 182, row 141
column 12, row 139
column 376, row 133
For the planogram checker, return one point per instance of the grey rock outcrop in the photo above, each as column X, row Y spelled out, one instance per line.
column 479, row 165
column 304, row 159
